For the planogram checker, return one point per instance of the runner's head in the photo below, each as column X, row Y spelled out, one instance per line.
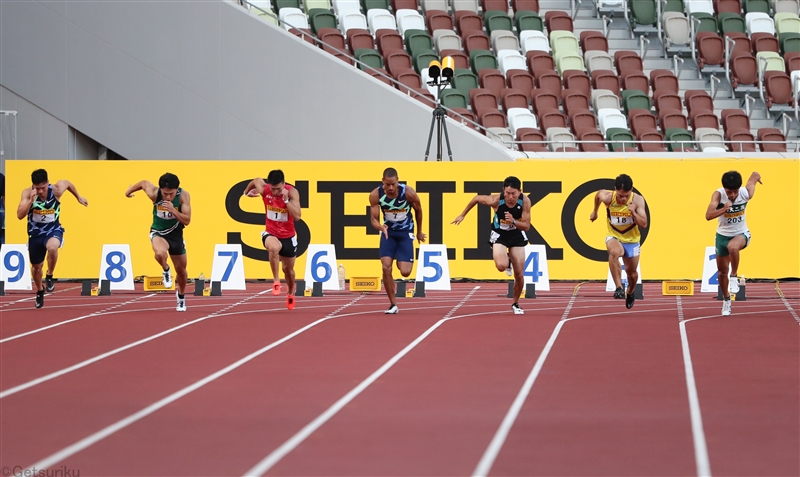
column 40, row 182
column 512, row 189
column 623, row 184
column 169, row 183
column 276, row 181
column 731, row 182
column 390, row 182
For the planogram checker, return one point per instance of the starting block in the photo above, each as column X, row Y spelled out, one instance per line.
column 419, row 289
column 528, row 292
column 316, row 289
column 216, row 289
column 677, row 288
column 366, row 284
column 86, row 288
column 156, row 284
column 199, row 286
column 299, row 287
column 739, row 296
column 2, row 288
column 400, row 288
column 105, row 288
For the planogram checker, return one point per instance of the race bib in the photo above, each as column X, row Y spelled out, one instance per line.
column 621, row 220
column 44, row 216
column 395, row 215
column 507, row 225
column 277, row 214
column 163, row 213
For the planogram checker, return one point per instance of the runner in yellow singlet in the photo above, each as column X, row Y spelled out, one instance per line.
column 625, row 211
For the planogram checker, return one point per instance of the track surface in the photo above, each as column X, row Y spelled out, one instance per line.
column 455, row 384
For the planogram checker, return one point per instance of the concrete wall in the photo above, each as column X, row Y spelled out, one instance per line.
column 198, row 80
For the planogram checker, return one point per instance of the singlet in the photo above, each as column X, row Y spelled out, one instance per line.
column 732, row 222
column 499, row 223
column 163, row 220
column 397, row 211
column 280, row 222
column 43, row 215
column 620, row 221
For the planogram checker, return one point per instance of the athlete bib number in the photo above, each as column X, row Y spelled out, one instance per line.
column 395, row 216
column 45, row 216
column 163, row 213
column 621, row 220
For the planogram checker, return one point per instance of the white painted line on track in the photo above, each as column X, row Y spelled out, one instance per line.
column 698, row 434
column 97, row 313
column 123, row 423
column 83, row 364
column 491, row 452
column 31, row 297
column 275, row 456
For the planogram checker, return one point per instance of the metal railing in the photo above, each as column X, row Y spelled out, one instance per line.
column 631, row 146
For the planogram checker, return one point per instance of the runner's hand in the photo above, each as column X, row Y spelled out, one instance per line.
column 458, row 220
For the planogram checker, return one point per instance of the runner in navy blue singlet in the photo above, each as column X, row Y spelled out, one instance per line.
column 41, row 204
column 395, row 201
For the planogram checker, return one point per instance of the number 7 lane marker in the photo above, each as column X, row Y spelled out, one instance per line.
column 275, row 456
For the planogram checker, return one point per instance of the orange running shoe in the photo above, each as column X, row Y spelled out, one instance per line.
column 290, row 302
column 276, row 289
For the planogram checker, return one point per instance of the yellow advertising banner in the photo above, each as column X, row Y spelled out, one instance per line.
column 335, row 210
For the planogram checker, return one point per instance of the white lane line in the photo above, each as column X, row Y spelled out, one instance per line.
column 275, row 456
column 31, row 297
column 698, row 434
column 127, row 421
column 786, row 302
column 83, row 364
column 97, row 313
column 491, row 452
column 737, row 314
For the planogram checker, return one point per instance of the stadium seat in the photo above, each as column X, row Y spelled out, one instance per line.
column 777, row 89
column 417, row 40
column 409, row 20
column 500, row 135
column 591, row 40
column 520, row 80
column 520, row 118
column 604, row 99
column 764, row 42
column 740, row 140
column 460, row 60
column 439, row 20
column 698, row 100
column 577, row 79
column 606, row 79
column 504, row 40
column 734, row 119
column 497, row 20
column 581, row 120
column 709, row 138
column 531, row 140
column 647, row 144
column 539, row 61
column 453, row 98
column 492, row 119
column 533, row 40
column 446, row 40
column 561, row 140
column 627, row 60
column 641, row 120
column 513, row 98
column 666, row 100
column 620, row 139
column 464, row 80
column 575, row 100
column 543, row 100
column 610, row 118
column 672, row 119
column 635, row 80
column 396, row 60
column 664, row 80
column 379, row 19
column 597, row 138
column 563, row 42
column 468, row 22
column 388, row 40
column 509, row 60
column 703, row 119
column 775, row 137
column 492, row 79
column 679, row 139
column 476, row 40
column 635, row 99
column 480, row 59
column 291, row 17
column 528, row 20
column 351, row 20
column 551, row 81
column 597, row 60
column 482, row 101
column 555, row 20
column 552, row 118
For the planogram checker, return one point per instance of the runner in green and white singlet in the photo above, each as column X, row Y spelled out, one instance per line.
column 171, row 213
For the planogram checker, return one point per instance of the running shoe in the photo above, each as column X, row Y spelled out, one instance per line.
column 276, row 288
column 39, row 298
column 166, row 278
column 517, row 309
column 726, row 307
column 49, row 284
column 290, row 302
column 629, row 299
column 619, row 293
column 733, row 284
column 393, row 310
column 181, row 306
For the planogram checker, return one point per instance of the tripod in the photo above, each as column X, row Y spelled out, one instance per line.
column 438, row 119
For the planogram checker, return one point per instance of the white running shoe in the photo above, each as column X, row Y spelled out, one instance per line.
column 393, row 310
column 726, row 307
column 166, row 278
column 733, row 284
column 181, row 303
column 517, row 309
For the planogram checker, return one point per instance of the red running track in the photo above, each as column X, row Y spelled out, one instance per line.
column 611, row 397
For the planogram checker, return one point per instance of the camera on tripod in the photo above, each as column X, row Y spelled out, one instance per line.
column 440, row 75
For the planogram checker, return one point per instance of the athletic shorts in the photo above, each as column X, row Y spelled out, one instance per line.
column 509, row 240
column 288, row 245
column 399, row 245
column 37, row 245
column 174, row 240
column 721, row 243
column 630, row 250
